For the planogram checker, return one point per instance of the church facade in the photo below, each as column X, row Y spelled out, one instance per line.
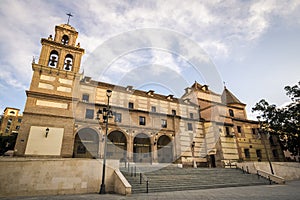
column 200, row 128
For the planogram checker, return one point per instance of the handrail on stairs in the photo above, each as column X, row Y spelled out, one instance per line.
column 132, row 170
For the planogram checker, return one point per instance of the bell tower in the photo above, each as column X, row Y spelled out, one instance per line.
column 48, row 122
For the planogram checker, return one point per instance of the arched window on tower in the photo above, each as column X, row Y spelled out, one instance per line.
column 53, row 59
column 68, row 62
column 65, row 40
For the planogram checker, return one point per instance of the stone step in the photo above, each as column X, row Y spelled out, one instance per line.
column 172, row 178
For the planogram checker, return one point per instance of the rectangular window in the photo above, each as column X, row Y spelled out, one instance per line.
column 19, row 120
column 164, row 123
column 271, row 141
column 190, row 126
column 275, row 153
column 17, row 127
column 258, row 153
column 239, row 129
column 89, row 114
column 247, row 153
column 130, row 105
column 153, row 109
column 85, row 97
column 231, row 113
column 254, row 131
column 227, row 131
column 142, row 121
column 118, row 117
column 174, row 112
column 192, row 115
column 9, row 122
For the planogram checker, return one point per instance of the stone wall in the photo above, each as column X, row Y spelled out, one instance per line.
column 286, row 170
column 28, row 176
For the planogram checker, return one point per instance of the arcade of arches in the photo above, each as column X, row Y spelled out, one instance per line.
column 87, row 144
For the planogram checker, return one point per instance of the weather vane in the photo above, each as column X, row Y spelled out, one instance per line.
column 70, row 15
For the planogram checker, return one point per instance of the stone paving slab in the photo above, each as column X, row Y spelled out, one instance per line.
column 290, row 191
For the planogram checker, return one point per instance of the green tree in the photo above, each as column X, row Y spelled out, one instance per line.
column 284, row 122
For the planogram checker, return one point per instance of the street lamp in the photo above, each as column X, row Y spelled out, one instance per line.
column 264, row 143
column 107, row 113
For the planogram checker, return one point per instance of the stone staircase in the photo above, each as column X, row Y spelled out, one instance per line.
column 172, row 178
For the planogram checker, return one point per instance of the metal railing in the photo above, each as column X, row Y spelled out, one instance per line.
column 133, row 171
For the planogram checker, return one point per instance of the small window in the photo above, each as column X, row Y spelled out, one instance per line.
column 239, row 129
column 118, row 117
column 12, row 112
column 227, row 131
column 142, row 121
column 65, row 40
column 254, row 131
column 192, row 115
column 19, row 120
column 6, row 130
column 9, row 122
column 271, row 141
column 130, row 105
column 275, row 153
column 190, row 126
column 89, row 114
column 153, row 109
column 231, row 113
column 247, row 153
column 85, row 97
column 17, row 127
column 174, row 112
column 164, row 123
column 258, row 153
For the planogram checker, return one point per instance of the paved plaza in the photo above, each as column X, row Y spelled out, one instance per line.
column 266, row 192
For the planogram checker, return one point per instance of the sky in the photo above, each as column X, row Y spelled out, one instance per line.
column 252, row 46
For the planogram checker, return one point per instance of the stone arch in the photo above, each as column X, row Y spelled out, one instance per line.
column 142, row 148
column 65, row 39
column 53, row 59
column 117, row 145
column 164, row 149
column 86, row 144
column 68, row 63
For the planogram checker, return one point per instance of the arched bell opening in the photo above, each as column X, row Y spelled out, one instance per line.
column 53, row 59
column 68, row 63
column 65, row 40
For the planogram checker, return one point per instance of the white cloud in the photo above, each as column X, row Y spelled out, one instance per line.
column 220, row 27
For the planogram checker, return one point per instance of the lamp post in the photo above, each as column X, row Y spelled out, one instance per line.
column 264, row 143
column 106, row 114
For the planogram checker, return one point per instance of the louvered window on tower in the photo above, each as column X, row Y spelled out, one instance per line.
column 68, row 64
column 53, row 58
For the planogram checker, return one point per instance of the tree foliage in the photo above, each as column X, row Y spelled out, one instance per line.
column 285, row 121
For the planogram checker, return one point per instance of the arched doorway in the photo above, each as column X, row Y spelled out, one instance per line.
column 164, row 149
column 86, row 144
column 116, row 146
column 142, row 148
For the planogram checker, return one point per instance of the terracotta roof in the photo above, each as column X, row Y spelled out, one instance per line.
column 228, row 98
column 130, row 89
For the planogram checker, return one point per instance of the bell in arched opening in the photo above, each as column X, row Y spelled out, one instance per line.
column 53, row 59
column 68, row 64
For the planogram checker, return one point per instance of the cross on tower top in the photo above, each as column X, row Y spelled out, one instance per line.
column 69, row 15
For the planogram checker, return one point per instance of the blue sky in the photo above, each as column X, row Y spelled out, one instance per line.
column 253, row 45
